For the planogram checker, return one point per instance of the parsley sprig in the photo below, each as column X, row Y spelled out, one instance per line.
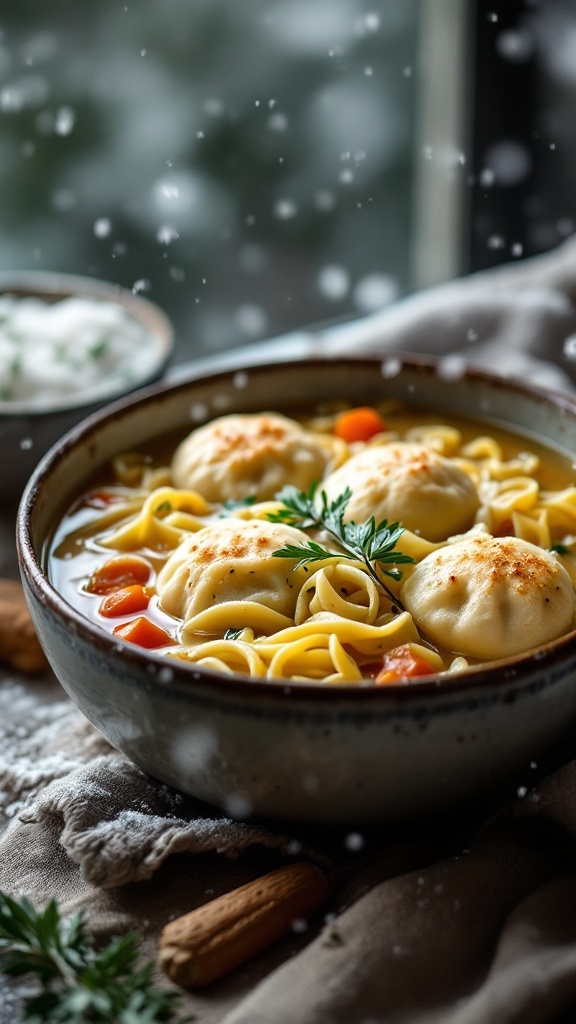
column 561, row 549
column 369, row 542
column 77, row 983
column 232, row 634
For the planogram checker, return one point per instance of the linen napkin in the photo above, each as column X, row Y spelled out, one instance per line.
column 467, row 918
column 518, row 320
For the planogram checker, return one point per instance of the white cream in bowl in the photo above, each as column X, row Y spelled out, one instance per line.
column 78, row 348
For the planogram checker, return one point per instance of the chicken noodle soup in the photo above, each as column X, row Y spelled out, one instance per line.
column 356, row 546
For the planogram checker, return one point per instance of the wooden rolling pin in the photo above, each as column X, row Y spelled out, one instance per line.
column 212, row 940
column 215, row 938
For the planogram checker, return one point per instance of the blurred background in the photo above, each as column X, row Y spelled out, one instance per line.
column 260, row 167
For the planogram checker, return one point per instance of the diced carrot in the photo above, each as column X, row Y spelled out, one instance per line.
column 144, row 633
column 125, row 601
column 359, row 424
column 118, row 572
column 101, row 499
column 402, row 663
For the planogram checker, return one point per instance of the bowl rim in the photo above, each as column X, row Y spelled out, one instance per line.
column 53, row 286
column 188, row 677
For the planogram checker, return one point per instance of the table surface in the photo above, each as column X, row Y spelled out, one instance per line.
column 45, row 688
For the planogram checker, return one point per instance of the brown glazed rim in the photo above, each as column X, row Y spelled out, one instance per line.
column 504, row 672
column 52, row 287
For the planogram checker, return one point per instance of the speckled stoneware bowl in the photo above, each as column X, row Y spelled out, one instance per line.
column 314, row 753
column 26, row 431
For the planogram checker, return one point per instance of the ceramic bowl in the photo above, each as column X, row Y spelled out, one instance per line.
column 27, row 429
column 314, row 753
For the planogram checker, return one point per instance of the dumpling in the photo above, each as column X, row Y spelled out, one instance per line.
column 244, row 454
column 407, row 483
column 229, row 564
column 490, row 597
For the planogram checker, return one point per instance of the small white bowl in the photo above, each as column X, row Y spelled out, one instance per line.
column 29, row 426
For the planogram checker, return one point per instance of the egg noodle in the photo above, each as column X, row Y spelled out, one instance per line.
column 493, row 550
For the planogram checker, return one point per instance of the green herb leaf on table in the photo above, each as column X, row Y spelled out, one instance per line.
column 369, row 542
column 77, row 983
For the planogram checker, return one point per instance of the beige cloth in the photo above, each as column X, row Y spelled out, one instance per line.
column 467, row 919
column 485, row 933
column 518, row 320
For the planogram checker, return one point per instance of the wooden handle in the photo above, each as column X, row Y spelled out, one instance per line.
column 214, row 939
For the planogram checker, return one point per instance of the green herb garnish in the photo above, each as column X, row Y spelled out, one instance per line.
column 16, row 365
column 234, row 503
column 100, row 347
column 368, row 542
column 75, row 982
column 232, row 634
column 560, row 549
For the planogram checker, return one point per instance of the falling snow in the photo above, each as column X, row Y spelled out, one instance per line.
column 131, row 157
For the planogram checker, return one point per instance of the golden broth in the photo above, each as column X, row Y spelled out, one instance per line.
column 80, row 544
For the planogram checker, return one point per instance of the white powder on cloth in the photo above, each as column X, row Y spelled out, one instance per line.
column 58, row 773
column 42, row 738
column 119, row 825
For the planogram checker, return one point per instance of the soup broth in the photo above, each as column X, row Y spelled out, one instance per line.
column 350, row 546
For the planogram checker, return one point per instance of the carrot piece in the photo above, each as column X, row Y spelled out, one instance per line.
column 125, row 601
column 359, row 424
column 118, row 572
column 100, row 500
column 402, row 663
column 103, row 499
column 144, row 633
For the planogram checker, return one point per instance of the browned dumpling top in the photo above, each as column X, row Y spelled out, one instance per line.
column 245, row 455
column 232, row 561
column 408, row 483
column 490, row 597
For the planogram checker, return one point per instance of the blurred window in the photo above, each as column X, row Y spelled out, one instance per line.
column 522, row 199
column 259, row 167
